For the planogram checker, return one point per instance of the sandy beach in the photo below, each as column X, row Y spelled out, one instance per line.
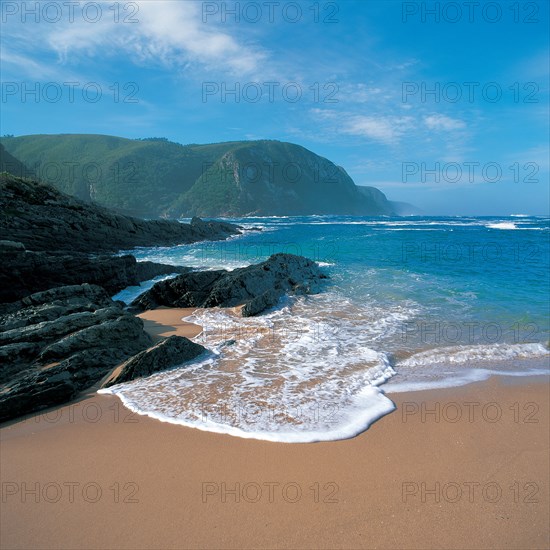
column 163, row 322
column 463, row 467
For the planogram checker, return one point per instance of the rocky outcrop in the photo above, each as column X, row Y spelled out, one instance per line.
column 25, row 272
column 44, row 219
column 170, row 353
column 257, row 286
column 59, row 334
column 59, row 342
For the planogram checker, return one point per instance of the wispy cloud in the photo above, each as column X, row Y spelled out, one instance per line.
column 167, row 34
column 390, row 129
column 443, row 122
column 387, row 129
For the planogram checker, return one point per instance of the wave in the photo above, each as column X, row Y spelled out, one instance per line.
column 301, row 398
column 288, row 375
column 314, row 369
column 459, row 365
column 371, row 404
column 466, row 354
column 317, row 368
column 502, row 225
column 459, row 379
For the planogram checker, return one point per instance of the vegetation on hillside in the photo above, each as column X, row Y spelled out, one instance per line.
column 154, row 177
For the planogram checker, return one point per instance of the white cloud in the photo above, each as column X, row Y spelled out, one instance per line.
column 170, row 34
column 20, row 63
column 360, row 93
column 385, row 129
column 442, row 122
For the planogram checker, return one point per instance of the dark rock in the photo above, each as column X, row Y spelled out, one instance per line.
column 30, row 272
column 256, row 286
column 230, row 342
column 11, row 247
column 50, row 304
column 125, row 333
column 59, row 342
column 206, row 228
column 57, row 328
column 44, row 219
column 49, row 238
column 146, row 271
column 260, row 303
column 25, row 272
column 167, row 354
column 187, row 290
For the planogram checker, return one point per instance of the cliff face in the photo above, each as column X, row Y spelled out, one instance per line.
column 281, row 179
column 156, row 178
column 377, row 202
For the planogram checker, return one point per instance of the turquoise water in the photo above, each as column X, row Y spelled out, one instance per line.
column 411, row 303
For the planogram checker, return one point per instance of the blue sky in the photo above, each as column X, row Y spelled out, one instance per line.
column 477, row 144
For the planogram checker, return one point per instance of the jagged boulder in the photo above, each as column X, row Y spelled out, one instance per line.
column 59, row 342
column 167, row 354
column 257, row 286
column 262, row 302
column 187, row 290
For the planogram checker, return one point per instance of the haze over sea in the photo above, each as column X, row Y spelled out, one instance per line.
column 412, row 303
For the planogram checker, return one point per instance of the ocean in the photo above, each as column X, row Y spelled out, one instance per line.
column 412, row 303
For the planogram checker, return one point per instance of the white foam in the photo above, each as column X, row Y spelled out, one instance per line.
column 308, row 371
column 370, row 406
column 459, row 365
column 502, row 225
column 466, row 354
column 289, row 376
column 130, row 293
column 459, row 379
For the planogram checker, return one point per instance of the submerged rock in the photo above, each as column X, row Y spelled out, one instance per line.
column 257, row 286
column 167, row 354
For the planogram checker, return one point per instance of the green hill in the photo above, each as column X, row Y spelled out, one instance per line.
column 8, row 163
column 155, row 177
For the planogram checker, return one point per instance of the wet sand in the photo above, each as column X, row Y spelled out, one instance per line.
column 163, row 322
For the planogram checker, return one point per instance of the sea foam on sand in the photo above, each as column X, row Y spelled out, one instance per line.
column 279, row 377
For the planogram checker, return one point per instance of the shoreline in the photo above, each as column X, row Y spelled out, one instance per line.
column 458, row 467
column 163, row 322
column 414, row 479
